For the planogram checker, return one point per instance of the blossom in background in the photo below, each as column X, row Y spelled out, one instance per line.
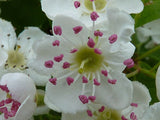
column 138, row 106
column 17, row 96
column 158, row 82
column 84, row 66
column 149, row 31
column 16, row 53
column 82, row 9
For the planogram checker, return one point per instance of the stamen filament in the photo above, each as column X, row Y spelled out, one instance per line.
column 81, row 69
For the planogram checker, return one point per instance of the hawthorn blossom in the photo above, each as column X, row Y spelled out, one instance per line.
column 17, row 97
column 135, row 111
column 158, row 82
column 16, row 53
column 149, row 31
column 83, row 9
column 83, row 66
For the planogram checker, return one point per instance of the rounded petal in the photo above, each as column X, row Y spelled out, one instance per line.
column 55, row 7
column 117, row 96
column 8, row 35
column 65, row 97
column 152, row 113
column 141, row 97
column 20, row 86
column 26, row 109
column 129, row 6
column 158, row 82
column 124, row 28
column 27, row 38
column 68, row 32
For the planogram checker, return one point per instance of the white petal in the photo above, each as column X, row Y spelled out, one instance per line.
column 129, row 6
column 124, row 27
column 141, row 97
column 38, row 78
column 152, row 113
column 158, row 82
column 67, row 29
column 78, row 116
column 65, row 97
column 55, row 7
column 20, row 85
column 26, row 109
column 27, row 38
column 8, row 35
column 44, row 52
column 116, row 57
column 117, row 96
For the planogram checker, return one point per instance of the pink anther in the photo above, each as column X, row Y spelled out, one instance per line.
column 101, row 109
column 92, row 98
column 77, row 29
column 90, row 114
column 97, row 51
column 112, row 81
column 48, row 64
column 94, row 16
column 56, row 43
column 84, row 79
column 53, row 81
column 96, row 82
column 66, row 65
column 58, row 58
column 113, row 38
column 69, row 80
column 83, row 99
column 77, row 4
column 73, row 50
column 91, row 43
column 57, row 30
column 104, row 72
column 134, row 104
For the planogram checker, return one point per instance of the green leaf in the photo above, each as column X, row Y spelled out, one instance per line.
column 151, row 12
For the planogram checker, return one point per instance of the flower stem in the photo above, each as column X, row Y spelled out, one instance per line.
column 148, row 53
column 132, row 73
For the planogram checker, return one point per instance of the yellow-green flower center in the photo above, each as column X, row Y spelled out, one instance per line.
column 15, row 59
column 99, row 4
column 108, row 114
column 87, row 60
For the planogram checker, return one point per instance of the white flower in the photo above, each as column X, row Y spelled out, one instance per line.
column 15, row 54
column 158, row 82
column 81, row 9
column 17, row 96
column 138, row 106
column 84, row 66
column 149, row 31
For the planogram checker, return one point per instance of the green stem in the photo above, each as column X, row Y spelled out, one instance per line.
column 155, row 67
column 148, row 73
column 132, row 73
column 148, row 53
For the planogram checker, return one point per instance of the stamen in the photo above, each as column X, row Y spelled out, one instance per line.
column 92, row 98
column 83, row 99
column 66, row 65
column 69, row 80
column 98, row 33
column 91, row 43
column 82, row 66
column 17, row 48
column 123, row 118
column 59, row 58
column 101, row 109
column 97, row 51
column 112, row 38
column 112, row 81
column 129, row 63
column 48, row 64
column 89, row 113
column 134, row 104
column 77, row 4
column 53, row 81
column 4, row 88
column 73, row 50
column 84, row 79
column 94, row 16
column 133, row 116
column 96, row 82
column 77, row 29
column 57, row 30
column 56, row 43
column 104, row 72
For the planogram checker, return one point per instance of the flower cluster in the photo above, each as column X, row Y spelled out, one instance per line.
column 80, row 68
